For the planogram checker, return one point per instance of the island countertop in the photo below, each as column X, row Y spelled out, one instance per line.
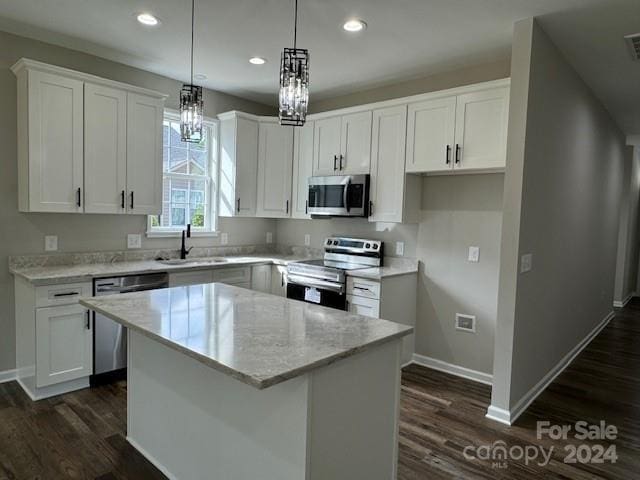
column 257, row 338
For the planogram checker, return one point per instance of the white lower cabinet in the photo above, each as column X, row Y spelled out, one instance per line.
column 261, row 278
column 182, row 279
column 64, row 344
column 279, row 280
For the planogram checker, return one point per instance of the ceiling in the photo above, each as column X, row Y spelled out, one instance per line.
column 405, row 39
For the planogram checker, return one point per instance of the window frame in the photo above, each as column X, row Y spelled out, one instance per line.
column 211, row 218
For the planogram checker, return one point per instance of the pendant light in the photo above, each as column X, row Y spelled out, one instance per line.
column 191, row 103
column 294, row 82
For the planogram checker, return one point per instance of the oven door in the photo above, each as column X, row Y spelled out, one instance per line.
column 319, row 292
column 339, row 196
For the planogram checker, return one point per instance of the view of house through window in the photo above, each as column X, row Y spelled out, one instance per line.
column 188, row 182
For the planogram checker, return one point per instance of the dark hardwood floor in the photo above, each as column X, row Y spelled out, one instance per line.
column 82, row 435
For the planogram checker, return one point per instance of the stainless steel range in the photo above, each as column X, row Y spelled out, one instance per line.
column 323, row 281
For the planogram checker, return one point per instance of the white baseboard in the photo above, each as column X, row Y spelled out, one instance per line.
column 508, row 417
column 456, row 370
column 7, row 376
column 623, row 303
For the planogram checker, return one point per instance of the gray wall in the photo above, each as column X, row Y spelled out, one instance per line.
column 628, row 246
column 24, row 233
column 569, row 167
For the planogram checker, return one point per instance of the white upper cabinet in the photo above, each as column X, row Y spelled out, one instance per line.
column 275, row 157
column 105, row 154
column 481, row 129
column 50, row 142
column 343, row 144
column 238, row 164
column 302, row 170
column 326, row 146
column 355, row 141
column 387, row 164
column 144, row 154
column 431, row 135
column 86, row 144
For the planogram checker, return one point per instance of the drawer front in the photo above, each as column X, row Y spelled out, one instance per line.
column 361, row 287
column 232, row 276
column 63, row 294
column 363, row 306
column 189, row 278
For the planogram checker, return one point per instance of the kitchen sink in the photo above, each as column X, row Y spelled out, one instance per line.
column 193, row 261
column 176, row 261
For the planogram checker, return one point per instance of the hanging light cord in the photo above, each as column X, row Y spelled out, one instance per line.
column 193, row 6
column 295, row 26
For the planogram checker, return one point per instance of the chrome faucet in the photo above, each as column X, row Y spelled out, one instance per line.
column 184, row 251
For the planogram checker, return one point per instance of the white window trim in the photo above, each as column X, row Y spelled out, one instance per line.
column 213, row 199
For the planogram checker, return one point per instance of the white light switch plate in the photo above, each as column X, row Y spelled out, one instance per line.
column 269, row 237
column 400, row 248
column 307, row 239
column 224, row 238
column 526, row 263
column 50, row 243
column 134, row 240
column 474, row 254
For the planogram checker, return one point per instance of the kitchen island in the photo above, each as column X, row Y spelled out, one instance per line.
column 228, row 383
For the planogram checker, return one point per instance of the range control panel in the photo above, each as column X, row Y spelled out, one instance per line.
column 355, row 245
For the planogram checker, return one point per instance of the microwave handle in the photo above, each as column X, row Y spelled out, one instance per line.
column 345, row 196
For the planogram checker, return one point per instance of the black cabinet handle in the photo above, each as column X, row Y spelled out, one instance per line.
column 306, row 207
column 341, row 158
column 282, row 279
column 66, row 294
column 335, row 162
column 88, row 320
column 238, row 205
column 131, row 199
column 122, row 195
column 457, row 153
column 447, row 157
column 287, row 206
column 78, row 197
column 370, row 208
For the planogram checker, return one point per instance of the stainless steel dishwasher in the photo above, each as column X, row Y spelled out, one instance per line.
column 109, row 337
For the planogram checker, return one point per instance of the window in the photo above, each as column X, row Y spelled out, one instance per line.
column 188, row 182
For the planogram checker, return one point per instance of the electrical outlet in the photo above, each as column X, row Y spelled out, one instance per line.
column 50, row 243
column 307, row 239
column 466, row 322
column 400, row 249
column 269, row 237
column 134, row 240
column 526, row 263
column 224, row 238
column 474, row 254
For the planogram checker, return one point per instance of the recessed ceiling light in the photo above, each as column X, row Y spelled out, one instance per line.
column 200, row 76
column 257, row 61
column 147, row 19
column 354, row 25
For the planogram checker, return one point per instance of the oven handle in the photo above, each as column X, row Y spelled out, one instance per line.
column 313, row 282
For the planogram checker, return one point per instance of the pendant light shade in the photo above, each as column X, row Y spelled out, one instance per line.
column 294, row 82
column 191, row 102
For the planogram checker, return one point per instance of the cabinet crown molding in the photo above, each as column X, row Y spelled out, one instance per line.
column 28, row 64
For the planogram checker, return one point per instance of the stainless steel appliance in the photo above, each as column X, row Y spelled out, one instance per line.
column 323, row 281
column 109, row 337
column 339, row 196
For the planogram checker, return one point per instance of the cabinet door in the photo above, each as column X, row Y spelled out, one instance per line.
column 363, row 306
column 302, row 170
column 182, row 279
column 355, row 144
column 275, row 157
column 431, row 135
column 261, row 278
column 246, row 167
column 144, row 154
column 326, row 146
column 279, row 280
column 387, row 164
column 64, row 342
column 55, row 143
column 481, row 129
column 105, row 149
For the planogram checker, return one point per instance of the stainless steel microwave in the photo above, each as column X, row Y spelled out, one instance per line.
column 339, row 196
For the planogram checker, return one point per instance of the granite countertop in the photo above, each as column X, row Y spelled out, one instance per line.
column 53, row 274
column 85, row 272
column 259, row 339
